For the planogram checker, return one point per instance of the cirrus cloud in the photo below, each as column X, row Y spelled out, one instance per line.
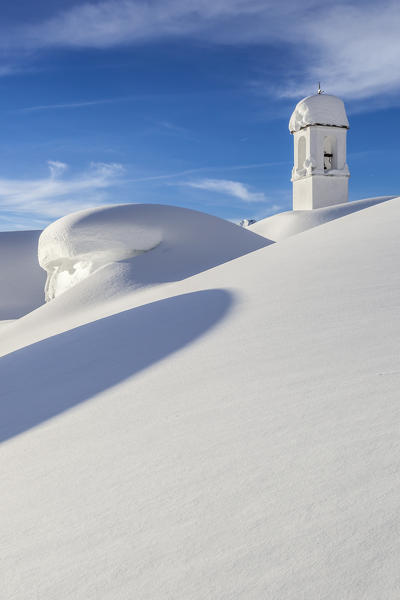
column 236, row 189
column 353, row 47
column 56, row 195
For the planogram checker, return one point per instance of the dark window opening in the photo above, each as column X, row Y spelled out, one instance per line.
column 327, row 161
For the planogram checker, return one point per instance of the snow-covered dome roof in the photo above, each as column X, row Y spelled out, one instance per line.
column 179, row 243
column 320, row 109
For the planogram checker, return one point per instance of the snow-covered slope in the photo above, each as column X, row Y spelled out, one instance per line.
column 231, row 435
column 283, row 225
column 21, row 278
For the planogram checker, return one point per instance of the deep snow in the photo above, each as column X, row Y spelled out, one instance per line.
column 180, row 242
column 21, row 278
column 230, row 435
column 319, row 109
column 285, row 224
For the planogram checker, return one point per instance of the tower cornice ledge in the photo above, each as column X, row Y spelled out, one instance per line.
column 320, row 125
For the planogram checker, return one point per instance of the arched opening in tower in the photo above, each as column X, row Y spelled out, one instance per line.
column 301, row 152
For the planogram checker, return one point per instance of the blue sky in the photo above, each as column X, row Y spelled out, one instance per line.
column 185, row 102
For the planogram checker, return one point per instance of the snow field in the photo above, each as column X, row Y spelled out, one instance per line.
column 283, row 225
column 21, row 278
column 231, row 435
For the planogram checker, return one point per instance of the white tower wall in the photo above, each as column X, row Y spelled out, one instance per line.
column 320, row 172
column 319, row 191
column 315, row 186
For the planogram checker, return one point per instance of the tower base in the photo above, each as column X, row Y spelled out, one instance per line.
column 318, row 191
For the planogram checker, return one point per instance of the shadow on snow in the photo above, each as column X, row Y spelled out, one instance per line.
column 55, row 374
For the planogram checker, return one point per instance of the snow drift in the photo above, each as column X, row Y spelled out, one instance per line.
column 230, row 435
column 21, row 278
column 283, row 225
column 182, row 241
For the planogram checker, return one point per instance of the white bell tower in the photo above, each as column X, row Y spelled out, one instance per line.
column 320, row 173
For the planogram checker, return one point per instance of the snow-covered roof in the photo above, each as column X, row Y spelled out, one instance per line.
column 182, row 242
column 320, row 109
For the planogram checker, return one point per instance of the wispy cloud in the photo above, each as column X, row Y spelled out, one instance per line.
column 56, row 168
column 357, row 50
column 208, row 169
column 42, row 199
column 68, row 105
column 167, row 128
column 176, row 130
column 236, row 189
column 352, row 47
column 114, row 22
column 56, row 195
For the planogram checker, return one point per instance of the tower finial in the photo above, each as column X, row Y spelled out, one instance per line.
column 319, row 88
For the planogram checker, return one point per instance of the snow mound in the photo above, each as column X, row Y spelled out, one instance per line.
column 320, row 109
column 21, row 278
column 233, row 435
column 183, row 242
column 283, row 225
